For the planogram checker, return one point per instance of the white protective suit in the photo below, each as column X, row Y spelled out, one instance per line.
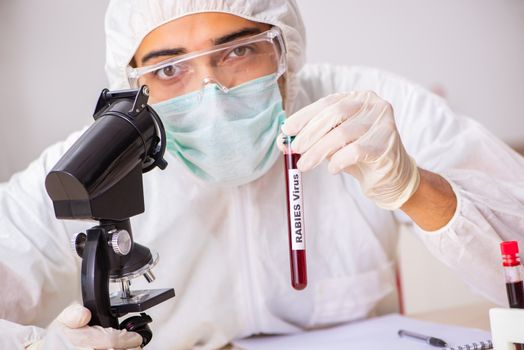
column 225, row 250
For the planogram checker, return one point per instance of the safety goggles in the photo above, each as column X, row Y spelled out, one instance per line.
column 227, row 65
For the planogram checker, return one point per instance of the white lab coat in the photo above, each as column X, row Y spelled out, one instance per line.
column 225, row 250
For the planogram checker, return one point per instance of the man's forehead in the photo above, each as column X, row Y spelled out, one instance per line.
column 195, row 32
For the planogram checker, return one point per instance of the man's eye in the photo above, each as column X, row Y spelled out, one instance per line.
column 168, row 72
column 240, row 51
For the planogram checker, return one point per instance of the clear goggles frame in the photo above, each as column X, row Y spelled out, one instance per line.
column 227, row 65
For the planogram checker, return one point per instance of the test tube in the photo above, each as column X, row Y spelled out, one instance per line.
column 295, row 209
column 513, row 276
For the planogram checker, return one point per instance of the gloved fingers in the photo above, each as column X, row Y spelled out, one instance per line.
column 74, row 316
column 312, row 109
column 337, row 138
column 325, row 121
column 97, row 337
column 357, row 127
column 352, row 106
column 372, row 144
column 294, row 123
column 345, row 158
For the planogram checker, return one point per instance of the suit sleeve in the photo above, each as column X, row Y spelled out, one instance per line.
column 39, row 272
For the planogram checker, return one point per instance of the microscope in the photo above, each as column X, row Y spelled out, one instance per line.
column 100, row 178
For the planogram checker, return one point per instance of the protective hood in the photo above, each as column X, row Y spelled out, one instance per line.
column 127, row 22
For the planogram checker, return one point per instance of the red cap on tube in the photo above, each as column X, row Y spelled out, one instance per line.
column 510, row 253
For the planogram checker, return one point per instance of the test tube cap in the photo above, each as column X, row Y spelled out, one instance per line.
column 509, row 248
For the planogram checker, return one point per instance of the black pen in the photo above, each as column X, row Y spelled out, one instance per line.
column 425, row 338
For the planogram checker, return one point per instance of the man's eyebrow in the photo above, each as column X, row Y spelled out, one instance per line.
column 164, row 52
column 221, row 40
column 236, row 35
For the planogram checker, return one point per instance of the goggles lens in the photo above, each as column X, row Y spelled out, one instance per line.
column 227, row 65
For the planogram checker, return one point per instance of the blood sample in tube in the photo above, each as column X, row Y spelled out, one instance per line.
column 513, row 276
column 295, row 210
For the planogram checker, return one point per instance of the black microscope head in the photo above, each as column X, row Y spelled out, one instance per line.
column 100, row 176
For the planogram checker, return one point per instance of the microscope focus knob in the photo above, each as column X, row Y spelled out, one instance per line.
column 139, row 324
column 121, row 242
column 78, row 242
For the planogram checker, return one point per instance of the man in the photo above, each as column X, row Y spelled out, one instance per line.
column 223, row 76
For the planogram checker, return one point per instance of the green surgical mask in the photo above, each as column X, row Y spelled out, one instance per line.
column 225, row 138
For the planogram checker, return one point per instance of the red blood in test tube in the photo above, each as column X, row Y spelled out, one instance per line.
column 295, row 210
column 513, row 275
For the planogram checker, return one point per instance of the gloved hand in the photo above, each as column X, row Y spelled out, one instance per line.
column 356, row 132
column 72, row 325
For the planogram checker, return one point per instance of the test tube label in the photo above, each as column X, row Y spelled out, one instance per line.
column 296, row 210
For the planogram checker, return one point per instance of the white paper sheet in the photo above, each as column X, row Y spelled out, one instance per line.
column 376, row 333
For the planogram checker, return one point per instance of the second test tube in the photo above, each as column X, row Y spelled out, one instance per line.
column 295, row 207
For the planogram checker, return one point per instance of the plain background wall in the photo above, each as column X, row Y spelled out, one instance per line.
column 52, row 55
column 52, row 71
